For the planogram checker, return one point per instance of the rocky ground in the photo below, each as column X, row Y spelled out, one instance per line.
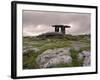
column 56, row 51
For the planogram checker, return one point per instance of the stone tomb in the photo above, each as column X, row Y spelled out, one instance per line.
column 62, row 28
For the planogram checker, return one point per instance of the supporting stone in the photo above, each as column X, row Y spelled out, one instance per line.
column 56, row 29
column 63, row 30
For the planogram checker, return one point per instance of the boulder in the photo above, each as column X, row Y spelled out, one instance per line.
column 52, row 57
column 87, row 61
column 85, row 56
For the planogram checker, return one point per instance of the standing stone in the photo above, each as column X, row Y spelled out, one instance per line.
column 63, row 30
column 56, row 29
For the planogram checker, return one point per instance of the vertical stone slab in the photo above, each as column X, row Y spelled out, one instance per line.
column 63, row 30
column 56, row 29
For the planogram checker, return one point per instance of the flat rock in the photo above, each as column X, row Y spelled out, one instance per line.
column 52, row 57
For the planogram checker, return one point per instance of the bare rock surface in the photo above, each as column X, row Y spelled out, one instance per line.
column 52, row 57
column 85, row 56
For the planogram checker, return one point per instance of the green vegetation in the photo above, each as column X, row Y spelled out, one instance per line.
column 75, row 61
column 29, row 61
column 29, row 58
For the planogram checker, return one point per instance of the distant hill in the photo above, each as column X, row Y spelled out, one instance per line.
column 57, row 35
column 60, row 35
column 51, row 34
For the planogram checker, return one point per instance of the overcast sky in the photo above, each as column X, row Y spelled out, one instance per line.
column 38, row 22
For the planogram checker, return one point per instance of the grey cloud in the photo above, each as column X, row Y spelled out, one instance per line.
column 80, row 22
